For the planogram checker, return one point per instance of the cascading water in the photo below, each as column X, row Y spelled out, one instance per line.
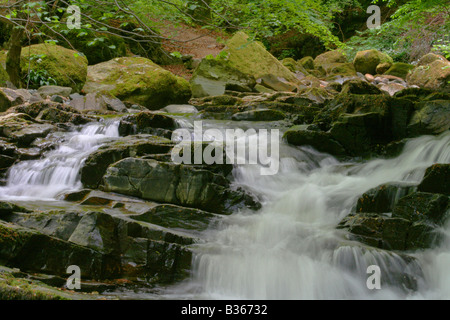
column 291, row 249
column 58, row 170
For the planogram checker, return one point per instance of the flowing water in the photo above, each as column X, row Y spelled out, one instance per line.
column 290, row 249
column 58, row 170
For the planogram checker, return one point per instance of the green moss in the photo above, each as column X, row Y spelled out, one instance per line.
column 3, row 76
column 251, row 57
column 368, row 60
column 400, row 70
column 67, row 67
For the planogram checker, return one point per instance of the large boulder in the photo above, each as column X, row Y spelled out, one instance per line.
column 251, row 57
column 399, row 69
column 436, row 179
column 430, row 117
column 433, row 72
column 98, row 162
column 368, row 60
column 5, row 103
column 213, row 77
column 66, row 67
column 166, row 182
column 394, row 217
column 138, row 80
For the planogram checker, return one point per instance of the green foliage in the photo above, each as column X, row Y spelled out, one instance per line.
column 38, row 77
column 415, row 29
column 267, row 18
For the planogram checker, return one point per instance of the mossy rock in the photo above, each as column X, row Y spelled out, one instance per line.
column 139, row 81
column 399, row 69
column 307, row 62
column 325, row 59
column 435, row 75
column 251, row 57
column 294, row 66
column 429, row 58
column 67, row 67
column 368, row 60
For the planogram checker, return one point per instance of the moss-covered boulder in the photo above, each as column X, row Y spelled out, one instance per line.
column 213, row 77
column 251, row 57
column 368, row 60
column 66, row 67
column 138, row 80
column 430, row 117
column 399, row 69
column 434, row 75
column 307, row 62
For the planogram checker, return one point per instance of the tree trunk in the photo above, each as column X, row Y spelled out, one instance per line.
column 13, row 57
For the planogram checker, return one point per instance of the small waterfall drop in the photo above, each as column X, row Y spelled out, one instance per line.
column 291, row 249
column 58, row 170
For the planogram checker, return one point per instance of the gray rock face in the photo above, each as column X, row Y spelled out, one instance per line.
column 214, row 77
column 176, row 184
column 48, row 91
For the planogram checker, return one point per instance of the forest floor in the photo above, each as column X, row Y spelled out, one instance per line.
column 188, row 40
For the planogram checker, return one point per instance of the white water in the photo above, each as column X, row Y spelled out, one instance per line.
column 58, row 170
column 291, row 249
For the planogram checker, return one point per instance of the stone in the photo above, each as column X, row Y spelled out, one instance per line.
column 48, row 91
column 252, row 58
column 321, row 141
column 67, row 67
column 180, row 108
column 97, row 102
column 392, row 88
column 436, row 179
column 399, row 69
column 435, row 75
column 139, row 81
column 430, row 117
column 276, row 83
column 182, row 185
column 214, row 77
column 5, row 103
column 259, row 115
column 368, row 60
column 97, row 163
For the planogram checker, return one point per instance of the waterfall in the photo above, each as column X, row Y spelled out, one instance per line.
column 291, row 249
column 58, row 170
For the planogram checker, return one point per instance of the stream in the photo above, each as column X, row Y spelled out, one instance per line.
column 289, row 249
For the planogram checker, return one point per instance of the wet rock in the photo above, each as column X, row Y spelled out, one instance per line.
column 319, row 140
column 259, row 115
column 431, row 117
column 96, row 164
column 436, row 179
column 176, row 217
column 182, row 185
